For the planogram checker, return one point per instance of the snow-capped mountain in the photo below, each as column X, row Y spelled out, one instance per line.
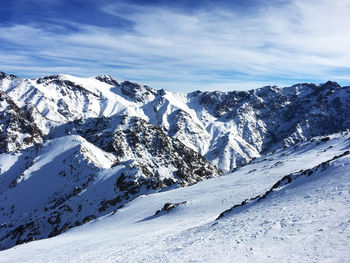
column 68, row 181
column 277, row 208
column 75, row 149
column 227, row 128
column 16, row 131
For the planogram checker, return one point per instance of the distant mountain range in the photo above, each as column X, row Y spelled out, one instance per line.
column 74, row 149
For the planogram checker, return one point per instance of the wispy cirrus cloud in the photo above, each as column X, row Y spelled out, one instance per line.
column 206, row 47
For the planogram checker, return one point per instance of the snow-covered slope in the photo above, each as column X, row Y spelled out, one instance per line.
column 303, row 219
column 228, row 128
column 74, row 149
column 52, row 185
column 134, row 139
column 52, row 178
column 68, row 181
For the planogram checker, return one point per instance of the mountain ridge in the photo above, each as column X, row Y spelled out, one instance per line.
column 119, row 140
column 308, row 218
column 228, row 128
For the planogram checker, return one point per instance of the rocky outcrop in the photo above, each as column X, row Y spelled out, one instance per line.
column 285, row 180
column 64, row 183
column 108, row 80
column 137, row 92
column 82, row 148
column 227, row 128
column 168, row 207
column 131, row 139
column 16, row 130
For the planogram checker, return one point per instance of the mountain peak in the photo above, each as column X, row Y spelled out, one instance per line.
column 140, row 93
column 49, row 78
column 108, row 79
column 330, row 83
column 4, row 75
column 103, row 145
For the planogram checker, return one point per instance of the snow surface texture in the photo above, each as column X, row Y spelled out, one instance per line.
column 85, row 168
column 228, row 128
column 73, row 150
column 304, row 219
column 68, row 181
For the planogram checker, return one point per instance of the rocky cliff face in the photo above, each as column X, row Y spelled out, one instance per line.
column 16, row 130
column 57, row 174
column 269, row 118
column 132, row 139
column 68, row 181
column 74, row 149
column 227, row 128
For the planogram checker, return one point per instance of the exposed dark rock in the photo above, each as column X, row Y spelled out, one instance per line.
column 148, row 146
column 325, row 139
column 89, row 218
column 108, row 79
column 263, row 120
column 108, row 203
column 17, row 131
column 280, row 183
column 169, row 206
column 137, row 92
column 4, row 75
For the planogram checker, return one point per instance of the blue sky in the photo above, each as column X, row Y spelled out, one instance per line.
column 179, row 45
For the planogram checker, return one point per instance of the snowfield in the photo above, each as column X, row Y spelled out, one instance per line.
column 305, row 218
column 98, row 170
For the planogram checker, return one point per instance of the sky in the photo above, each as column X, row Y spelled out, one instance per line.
column 179, row 45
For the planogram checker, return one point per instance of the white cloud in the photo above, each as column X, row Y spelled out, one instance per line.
column 299, row 40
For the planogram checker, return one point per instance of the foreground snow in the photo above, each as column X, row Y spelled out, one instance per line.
column 307, row 220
